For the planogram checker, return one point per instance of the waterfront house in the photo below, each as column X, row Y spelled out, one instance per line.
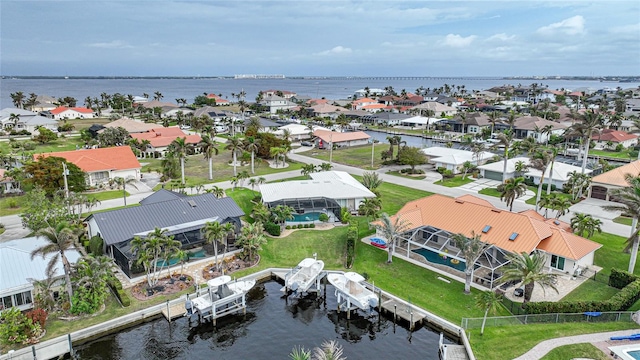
column 180, row 215
column 285, row 94
column 101, row 164
column 615, row 137
column 436, row 108
column 535, row 127
column 132, row 126
column 63, row 112
column 360, row 103
column 386, row 118
column 434, row 219
column 601, row 185
column 324, row 138
column 326, row 192
column 453, row 159
column 561, row 171
column 297, row 132
column 160, row 139
column 219, row 100
column 274, row 103
column 26, row 120
column 18, row 271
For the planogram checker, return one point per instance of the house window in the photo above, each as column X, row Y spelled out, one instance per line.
column 557, row 262
column 6, row 303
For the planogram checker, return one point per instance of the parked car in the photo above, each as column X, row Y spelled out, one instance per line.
column 306, row 143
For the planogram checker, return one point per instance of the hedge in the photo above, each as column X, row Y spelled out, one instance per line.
column 272, row 229
column 620, row 278
column 116, row 287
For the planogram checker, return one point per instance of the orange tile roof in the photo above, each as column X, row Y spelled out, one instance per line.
column 613, row 136
column 616, row 176
column 161, row 137
column 374, row 106
column 101, row 159
column 61, row 109
column 364, row 100
column 333, row 136
column 464, row 215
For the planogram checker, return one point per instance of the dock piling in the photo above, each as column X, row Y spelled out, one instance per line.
column 168, row 312
column 33, row 350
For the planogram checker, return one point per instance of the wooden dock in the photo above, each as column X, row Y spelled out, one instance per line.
column 406, row 312
column 173, row 311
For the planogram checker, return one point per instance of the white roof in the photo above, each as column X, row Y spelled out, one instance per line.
column 16, row 266
column 6, row 112
column 297, row 129
column 420, row 120
column 329, row 184
column 438, row 151
column 560, row 170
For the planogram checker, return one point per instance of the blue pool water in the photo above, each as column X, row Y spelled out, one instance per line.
column 634, row 354
column 192, row 255
column 434, row 257
column 310, row 216
column 198, row 254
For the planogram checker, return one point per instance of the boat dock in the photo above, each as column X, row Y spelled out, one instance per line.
column 172, row 311
column 451, row 351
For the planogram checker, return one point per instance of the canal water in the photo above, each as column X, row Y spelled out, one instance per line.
column 414, row 141
column 272, row 327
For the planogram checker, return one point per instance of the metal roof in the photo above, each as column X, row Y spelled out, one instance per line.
column 329, row 184
column 161, row 196
column 120, row 225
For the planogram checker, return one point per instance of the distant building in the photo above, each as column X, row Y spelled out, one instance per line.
column 160, row 138
column 63, row 112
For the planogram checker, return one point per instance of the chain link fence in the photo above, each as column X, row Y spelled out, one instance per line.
column 623, row 316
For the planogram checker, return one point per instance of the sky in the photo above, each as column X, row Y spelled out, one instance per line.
column 320, row 38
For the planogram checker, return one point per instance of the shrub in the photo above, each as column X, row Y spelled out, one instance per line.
column 38, row 316
column 95, row 245
column 306, row 226
column 16, row 327
column 312, row 226
column 440, row 170
column 272, row 229
column 620, row 278
column 288, row 227
column 300, row 226
column 12, row 203
column 619, row 147
column 323, row 217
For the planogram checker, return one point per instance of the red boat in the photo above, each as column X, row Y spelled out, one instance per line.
column 377, row 242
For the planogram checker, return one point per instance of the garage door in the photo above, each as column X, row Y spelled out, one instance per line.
column 599, row 192
column 493, row 175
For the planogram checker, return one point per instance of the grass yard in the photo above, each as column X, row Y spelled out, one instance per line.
column 490, row 191
column 455, row 181
column 61, row 144
column 243, row 198
column 623, row 220
column 11, row 205
column 624, row 154
column 412, row 177
column 358, row 156
column 584, row 351
column 80, row 124
column 106, row 195
column 395, row 196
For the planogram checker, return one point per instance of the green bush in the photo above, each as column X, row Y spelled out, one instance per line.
column 620, row 278
column 16, row 327
column 323, row 217
column 86, row 244
column 272, row 229
column 288, row 227
column 96, row 245
column 306, row 226
column 312, row 226
column 124, row 298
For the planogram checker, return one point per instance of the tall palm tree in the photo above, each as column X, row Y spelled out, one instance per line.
column 251, row 239
column 590, row 123
column 148, row 252
column 391, row 231
column 585, row 223
column 512, row 189
column 504, row 140
column 214, row 232
column 60, row 238
column 489, row 301
column 528, row 270
column 540, row 161
column 123, row 182
column 252, row 145
column 472, row 248
column 181, row 148
column 208, row 148
column 553, row 153
column 235, row 145
column 628, row 199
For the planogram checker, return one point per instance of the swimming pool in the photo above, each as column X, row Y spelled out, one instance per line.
column 434, row 257
column 310, row 216
column 200, row 254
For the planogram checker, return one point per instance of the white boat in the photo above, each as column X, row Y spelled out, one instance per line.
column 223, row 296
column 349, row 289
column 304, row 276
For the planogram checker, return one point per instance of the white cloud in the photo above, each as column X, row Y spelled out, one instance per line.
column 458, row 41
column 571, row 26
column 338, row 50
column 115, row 44
column 626, row 29
column 501, row 37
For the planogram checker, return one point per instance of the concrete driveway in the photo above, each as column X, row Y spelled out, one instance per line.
column 480, row 184
column 594, row 207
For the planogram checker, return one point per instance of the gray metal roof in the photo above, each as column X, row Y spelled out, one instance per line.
column 161, row 196
column 120, row 225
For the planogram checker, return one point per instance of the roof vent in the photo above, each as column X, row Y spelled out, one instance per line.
column 459, row 201
column 192, row 203
column 486, row 229
column 513, row 236
column 496, row 210
column 556, row 222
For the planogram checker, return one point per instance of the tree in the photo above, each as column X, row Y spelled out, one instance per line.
column 466, row 167
column 512, row 189
column 60, row 238
column 47, row 172
column 90, row 279
column 411, row 156
column 123, row 182
column 504, row 140
column 208, row 148
column 17, row 98
column 170, row 166
column 113, row 137
column 628, row 199
column 251, row 239
column 213, row 232
column 528, row 270
column 260, row 213
column 251, row 145
column 540, row 160
column 371, row 180
column 325, row 166
column 472, row 248
column 282, row 213
column 391, row 230
column 521, row 167
column 181, row 148
column 308, row 169
column 589, row 124
column 489, row 301
column 235, row 145
column 42, row 210
column 370, row 207
column 560, row 204
column 148, row 251
column 585, row 223
column 216, row 191
column 45, row 135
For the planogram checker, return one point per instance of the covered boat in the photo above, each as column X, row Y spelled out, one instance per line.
column 223, row 296
column 304, row 276
column 350, row 289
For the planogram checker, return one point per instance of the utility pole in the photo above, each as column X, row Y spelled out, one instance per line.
column 373, row 145
column 65, row 172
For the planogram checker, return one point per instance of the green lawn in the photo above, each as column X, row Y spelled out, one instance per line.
column 623, row 220
column 490, row 191
column 11, row 205
column 243, row 198
column 395, row 196
column 612, row 154
column 358, row 156
column 412, row 177
column 585, row 351
column 455, row 181
column 107, row 195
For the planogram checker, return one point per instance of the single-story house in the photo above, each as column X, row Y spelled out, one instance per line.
column 326, row 192
column 26, row 120
column 385, row 118
column 616, row 137
column 452, row 159
column 601, row 185
column 297, row 132
column 7, row 184
column 436, row 108
column 63, row 112
column 361, row 102
column 218, row 99
column 340, row 139
column 561, row 171
column 535, row 127
column 160, row 138
column 18, row 271
column 132, row 126
column 180, row 215
column 102, row 164
column 434, row 219
column 421, row 122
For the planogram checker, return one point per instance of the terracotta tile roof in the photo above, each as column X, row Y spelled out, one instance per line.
column 375, row 106
column 465, row 214
column 616, row 176
column 61, row 109
column 364, row 100
column 161, row 137
column 101, row 159
column 218, row 99
column 613, row 136
column 132, row 126
column 333, row 136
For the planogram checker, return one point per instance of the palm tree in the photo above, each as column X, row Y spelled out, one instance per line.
column 17, row 98
column 585, row 223
column 528, row 270
column 628, row 199
column 512, row 189
column 540, row 160
column 370, row 207
column 325, row 166
column 148, row 252
column 489, row 301
column 251, row 239
column 590, row 123
column 553, row 153
column 282, row 213
column 560, row 204
column 235, row 145
column 329, row 350
column 214, row 232
column 216, row 191
column 504, row 140
column 251, row 144
column 371, row 180
column 208, row 148
column 157, row 96
column 391, row 231
column 308, row 169
column 60, row 238
column 123, row 182
column 472, row 248
column 521, row 167
column 181, row 148
column 14, row 119
column 261, row 213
